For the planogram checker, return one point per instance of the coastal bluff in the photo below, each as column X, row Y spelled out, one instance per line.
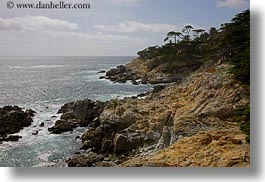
column 184, row 124
column 154, row 71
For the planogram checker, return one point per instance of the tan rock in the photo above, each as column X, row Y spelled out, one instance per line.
column 190, row 152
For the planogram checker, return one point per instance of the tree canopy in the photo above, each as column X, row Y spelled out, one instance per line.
column 230, row 43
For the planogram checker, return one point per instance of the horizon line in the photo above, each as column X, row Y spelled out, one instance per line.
column 67, row 56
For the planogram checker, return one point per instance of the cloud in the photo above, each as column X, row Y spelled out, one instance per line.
column 232, row 4
column 96, row 38
column 36, row 23
column 134, row 26
column 55, row 28
column 39, row 35
column 126, row 3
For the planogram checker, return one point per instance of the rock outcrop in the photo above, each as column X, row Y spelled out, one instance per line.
column 77, row 114
column 154, row 71
column 13, row 119
column 215, row 148
column 202, row 105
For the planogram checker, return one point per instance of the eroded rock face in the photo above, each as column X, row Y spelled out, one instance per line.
column 120, row 128
column 152, row 71
column 88, row 160
column 77, row 114
column 62, row 126
column 13, row 119
column 139, row 128
column 119, row 143
column 85, row 110
column 205, row 149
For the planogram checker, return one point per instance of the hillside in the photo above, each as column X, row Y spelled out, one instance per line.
column 157, row 70
column 198, row 117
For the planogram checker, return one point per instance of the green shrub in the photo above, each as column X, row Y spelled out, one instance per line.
column 243, row 115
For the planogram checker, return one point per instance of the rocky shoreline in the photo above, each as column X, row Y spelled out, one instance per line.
column 153, row 71
column 187, row 123
column 75, row 114
column 133, row 131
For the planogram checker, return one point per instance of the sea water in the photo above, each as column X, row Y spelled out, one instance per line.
column 44, row 84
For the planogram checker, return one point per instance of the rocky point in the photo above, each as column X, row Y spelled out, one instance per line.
column 192, row 120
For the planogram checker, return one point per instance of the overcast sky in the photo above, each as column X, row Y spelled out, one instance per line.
column 109, row 28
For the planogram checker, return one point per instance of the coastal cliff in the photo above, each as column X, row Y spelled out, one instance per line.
column 198, row 117
column 188, row 119
column 157, row 70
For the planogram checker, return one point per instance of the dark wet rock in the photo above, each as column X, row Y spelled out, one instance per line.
column 61, row 126
column 42, row 124
column 79, row 113
column 11, row 138
column 107, row 146
column 134, row 82
column 78, row 137
column 102, row 71
column 158, row 88
column 115, row 71
column 142, row 94
column 102, row 77
column 30, row 112
column 13, row 119
column 143, row 81
column 82, row 109
column 119, row 143
column 88, row 160
column 121, row 74
column 35, row 132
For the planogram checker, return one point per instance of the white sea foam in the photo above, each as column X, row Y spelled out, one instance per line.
column 45, row 164
column 45, row 92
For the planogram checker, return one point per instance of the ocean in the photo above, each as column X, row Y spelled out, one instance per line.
column 44, row 84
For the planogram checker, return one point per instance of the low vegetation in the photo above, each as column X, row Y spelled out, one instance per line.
column 230, row 44
column 243, row 115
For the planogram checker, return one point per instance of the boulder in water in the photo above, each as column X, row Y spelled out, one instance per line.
column 60, row 127
column 79, row 113
column 13, row 119
column 11, row 138
column 30, row 112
